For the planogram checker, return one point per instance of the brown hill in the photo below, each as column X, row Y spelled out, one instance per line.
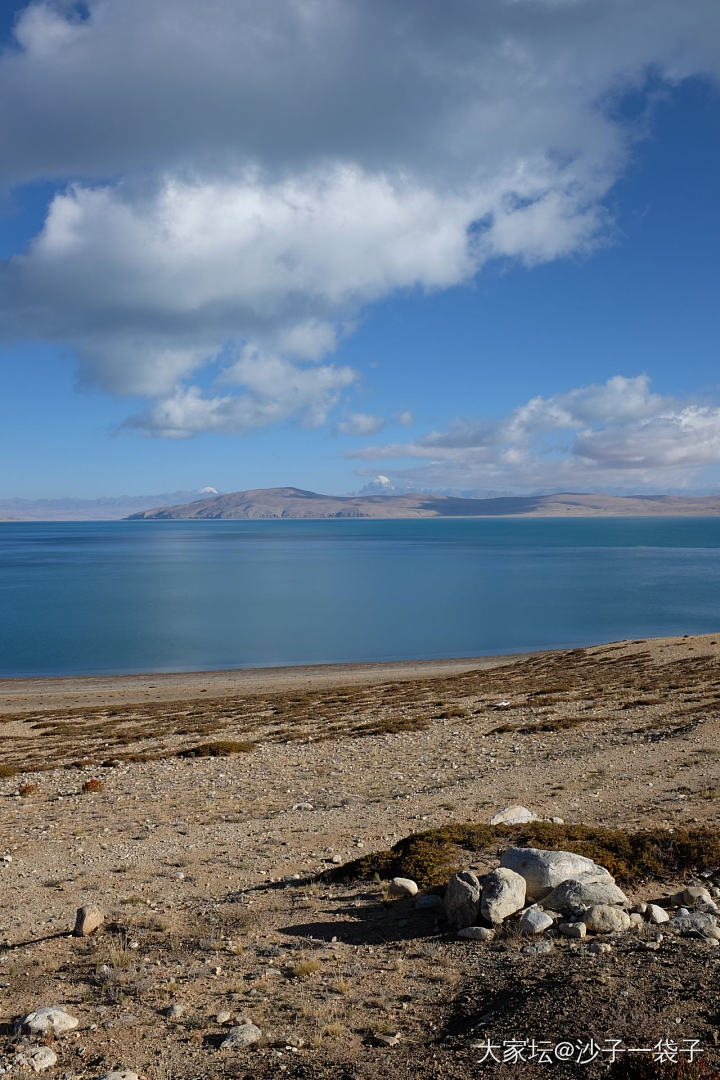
column 293, row 504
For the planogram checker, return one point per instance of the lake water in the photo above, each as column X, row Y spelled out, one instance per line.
column 95, row 598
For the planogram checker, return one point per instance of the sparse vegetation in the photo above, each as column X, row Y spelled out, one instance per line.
column 429, row 857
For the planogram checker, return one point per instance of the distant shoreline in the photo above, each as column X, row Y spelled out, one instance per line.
column 25, row 694
column 565, row 515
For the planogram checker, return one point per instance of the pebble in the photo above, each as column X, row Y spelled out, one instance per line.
column 223, row 1017
column 600, row 947
column 655, row 914
column 120, row 1074
column 336, row 860
column 174, row 1012
column 303, row 806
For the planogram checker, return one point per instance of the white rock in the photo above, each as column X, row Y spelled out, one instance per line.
column 243, row 1035
column 37, row 1058
column 303, row 806
column 574, row 894
column 462, row 900
column 223, row 1017
column 655, row 914
column 606, row 919
column 572, row 929
column 49, row 1018
column 534, row 921
column 120, row 1074
column 476, row 933
column 513, row 815
column 503, row 893
column 543, row 870
column 600, row 947
column 175, row 1011
column 403, row 886
column 636, row 919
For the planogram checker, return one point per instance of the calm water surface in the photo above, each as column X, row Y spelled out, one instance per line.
column 92, row 598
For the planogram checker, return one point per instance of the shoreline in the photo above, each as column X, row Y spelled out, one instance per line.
column 25, row 693
column 20, row 694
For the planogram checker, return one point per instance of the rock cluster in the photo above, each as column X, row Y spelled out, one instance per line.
column 535, row 891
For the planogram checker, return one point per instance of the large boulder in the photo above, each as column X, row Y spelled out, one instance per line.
column 543, row 870
column 462, row 900
column 606, row 919
column 503, row 893
column 575, row 894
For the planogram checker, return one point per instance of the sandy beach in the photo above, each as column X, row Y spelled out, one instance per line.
column 228, row 804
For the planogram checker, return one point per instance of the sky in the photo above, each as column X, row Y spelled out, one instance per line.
column 345, row 246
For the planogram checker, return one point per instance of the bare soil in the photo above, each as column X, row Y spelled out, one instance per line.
column 219, row 892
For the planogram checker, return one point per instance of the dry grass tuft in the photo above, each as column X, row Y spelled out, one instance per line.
column 91, row 786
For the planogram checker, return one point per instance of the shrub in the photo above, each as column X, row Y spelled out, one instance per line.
column 221, row 748
column 92, row 785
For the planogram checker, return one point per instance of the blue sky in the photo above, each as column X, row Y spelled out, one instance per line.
column 482, row 257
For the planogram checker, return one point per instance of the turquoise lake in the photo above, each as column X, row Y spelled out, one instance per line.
column 113, row 597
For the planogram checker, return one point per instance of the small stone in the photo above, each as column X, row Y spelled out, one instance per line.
column 538, row 948
column 503, row 893
column 606, row 919
column 402, row 886
column 174, row 1012
column 534, row 921
column 336, row 860
column 49, row 1018
column 303, row 806
column 639, row 909
column 636, row 919
column 572, row 929
column 600, row 947
column 120, row 1074
column 37, row 1058
column 655, row 914
column 476, row 933
column 87, row 920
column 462, row 900
column 386, row 1040
column 513, row 815
column 243, row 1035
column 223, row 1017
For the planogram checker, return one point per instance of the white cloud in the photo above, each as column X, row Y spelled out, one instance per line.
column 246, row 176
column 602, row 436
column 361, row 424
column 405, row 418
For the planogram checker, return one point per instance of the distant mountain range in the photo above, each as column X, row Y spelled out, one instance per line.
column 294, row 504
column 107, row 509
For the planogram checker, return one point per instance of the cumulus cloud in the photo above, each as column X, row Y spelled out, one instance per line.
column 361, row 424
column 240, row 177
column 607, row 436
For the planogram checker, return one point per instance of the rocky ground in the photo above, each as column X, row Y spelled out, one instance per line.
column 219, row 820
